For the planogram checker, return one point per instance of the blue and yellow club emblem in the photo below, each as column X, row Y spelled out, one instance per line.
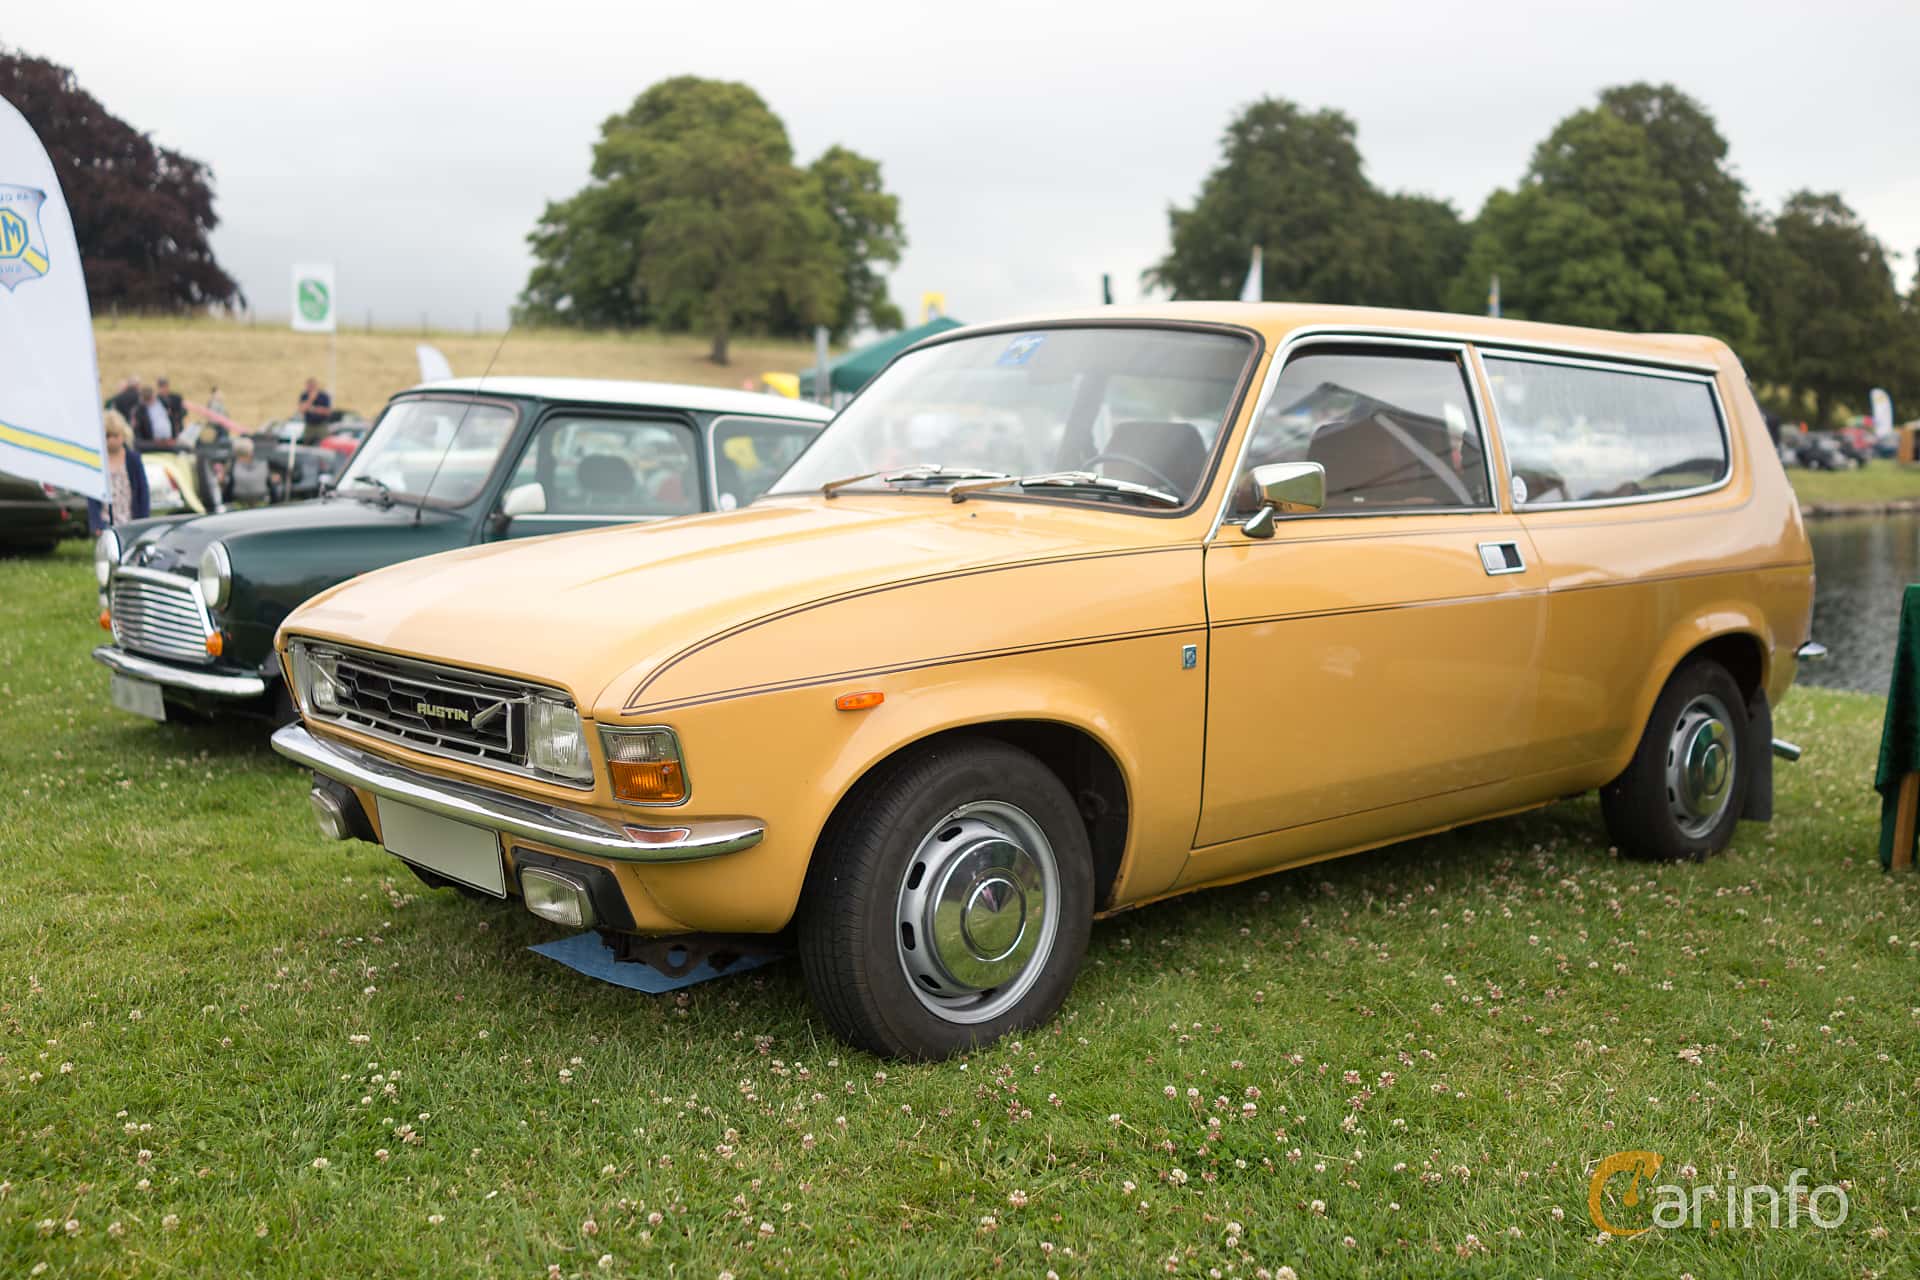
column 23, row 248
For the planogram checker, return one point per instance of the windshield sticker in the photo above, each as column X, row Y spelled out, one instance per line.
column 1020, row 350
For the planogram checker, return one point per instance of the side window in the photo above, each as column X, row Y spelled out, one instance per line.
column 1578, row 434
column 612, row 467
column 750, row 453
column 1396, row 430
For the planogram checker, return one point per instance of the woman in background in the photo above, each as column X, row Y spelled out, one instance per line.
column 127, row 496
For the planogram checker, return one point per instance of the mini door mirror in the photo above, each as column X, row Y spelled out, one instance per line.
column 525, row 500
column 1285, row 488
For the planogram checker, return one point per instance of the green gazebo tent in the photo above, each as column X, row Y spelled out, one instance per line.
column 855, row 369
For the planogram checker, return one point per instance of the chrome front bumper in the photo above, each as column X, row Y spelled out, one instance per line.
column 513, row 815
column 164, row 673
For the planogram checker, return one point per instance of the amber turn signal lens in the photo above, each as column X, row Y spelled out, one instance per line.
column 106, row 620
column 649, row 781
column 216, row 643
column 859, row 701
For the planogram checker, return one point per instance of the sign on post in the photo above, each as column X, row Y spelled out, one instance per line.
column 314, row 307
column 50, row 424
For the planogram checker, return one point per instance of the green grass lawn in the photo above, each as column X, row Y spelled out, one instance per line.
column 229, row 1048
column 1878, row 481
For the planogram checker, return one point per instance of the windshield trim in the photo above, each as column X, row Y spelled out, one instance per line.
column 1257, row 349
column 403, row 498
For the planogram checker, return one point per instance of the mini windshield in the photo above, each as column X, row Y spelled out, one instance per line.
column 439, row 451
column 1139, row 405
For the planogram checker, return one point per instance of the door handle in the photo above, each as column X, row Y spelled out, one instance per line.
column 1502, row 557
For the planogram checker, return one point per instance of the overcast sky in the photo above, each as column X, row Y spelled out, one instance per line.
column 1034, row 145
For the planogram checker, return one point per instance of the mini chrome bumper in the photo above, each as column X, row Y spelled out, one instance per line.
column 1811, row 651
column 515, row 815
column 220, row 686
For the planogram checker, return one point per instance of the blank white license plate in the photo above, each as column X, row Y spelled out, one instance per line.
column 457, row 851
column 137, row 696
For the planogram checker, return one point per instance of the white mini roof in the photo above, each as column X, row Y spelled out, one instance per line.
column 666, row 395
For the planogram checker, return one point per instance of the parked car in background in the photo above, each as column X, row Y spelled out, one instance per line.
column 1228, row 588
column 345, row 438
column 193, row 604
column 36, row 516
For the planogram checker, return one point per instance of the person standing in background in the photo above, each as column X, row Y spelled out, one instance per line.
column 152, row 424
column 215, row 403
column 127, row 496
column 176, row 407
column 316, row 410
column 127, row 398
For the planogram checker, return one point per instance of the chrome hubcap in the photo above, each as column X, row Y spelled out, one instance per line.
column 977, row 911
column 1701, row 758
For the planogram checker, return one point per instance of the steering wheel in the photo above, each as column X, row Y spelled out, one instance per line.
column 1172, row 488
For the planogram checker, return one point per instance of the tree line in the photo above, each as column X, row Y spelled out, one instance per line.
column 1628, row 216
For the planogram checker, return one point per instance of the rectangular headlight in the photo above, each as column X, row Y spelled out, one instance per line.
column 556, row 741
column 644, row 765
column 314, row 680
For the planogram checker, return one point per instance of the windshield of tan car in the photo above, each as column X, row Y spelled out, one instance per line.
column 439, row 451
column 1137, row 404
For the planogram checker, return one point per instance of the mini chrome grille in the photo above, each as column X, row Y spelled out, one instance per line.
column 160, row 614
column 433, row 708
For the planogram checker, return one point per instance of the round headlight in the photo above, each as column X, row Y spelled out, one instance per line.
column 106, row 554
column 216, row 576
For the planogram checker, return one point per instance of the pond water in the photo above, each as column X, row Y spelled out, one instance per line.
column 1864, row 564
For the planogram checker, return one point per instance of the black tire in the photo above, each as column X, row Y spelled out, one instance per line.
column 966, row 811
column 1651, row 813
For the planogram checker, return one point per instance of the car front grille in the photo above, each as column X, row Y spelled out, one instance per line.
column 441, row 710
column 160, row 614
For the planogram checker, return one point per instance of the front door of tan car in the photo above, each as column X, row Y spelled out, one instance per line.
column 1381, row 652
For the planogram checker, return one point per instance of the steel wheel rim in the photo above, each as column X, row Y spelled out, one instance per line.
column 1702, row 759
column 977, row 911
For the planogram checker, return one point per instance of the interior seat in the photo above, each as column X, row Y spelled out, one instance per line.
column 1174, row 449
column 1375, row 462
column 607, row 481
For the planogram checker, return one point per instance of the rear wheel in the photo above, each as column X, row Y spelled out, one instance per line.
column 950, row 902
column 1683, row 793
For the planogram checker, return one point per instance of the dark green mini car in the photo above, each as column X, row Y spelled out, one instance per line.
column 35, row 516
column 193, row 603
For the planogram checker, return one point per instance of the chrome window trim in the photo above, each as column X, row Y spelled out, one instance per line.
column 559, row 414
column 713, row 449
column 516, row 690
column 679, row 752
column 1603, row 365
column 1343, row 335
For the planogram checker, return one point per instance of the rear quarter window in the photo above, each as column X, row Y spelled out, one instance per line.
column 1577, row 433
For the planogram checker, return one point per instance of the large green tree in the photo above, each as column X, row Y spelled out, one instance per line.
column 1839, row 326
column 698, row 218
column 1291, row 181
column 1613, row 227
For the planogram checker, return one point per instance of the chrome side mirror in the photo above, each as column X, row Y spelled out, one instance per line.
column 1285, row 488
column 525, row 500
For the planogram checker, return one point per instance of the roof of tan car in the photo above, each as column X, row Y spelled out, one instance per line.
column 1278, row 319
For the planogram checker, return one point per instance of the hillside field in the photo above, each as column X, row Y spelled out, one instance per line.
column 261, row 368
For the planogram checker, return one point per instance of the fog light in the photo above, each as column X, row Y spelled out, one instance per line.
column 555, row 897
column 330, row 814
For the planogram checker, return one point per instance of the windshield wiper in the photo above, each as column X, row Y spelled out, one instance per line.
column 924, row 473
column 1070, row 480
column 386, row 494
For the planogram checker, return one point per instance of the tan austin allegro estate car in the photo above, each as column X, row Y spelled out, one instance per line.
column 1061, row 618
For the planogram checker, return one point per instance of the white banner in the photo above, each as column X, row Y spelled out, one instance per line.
column 1882, row 404
column 433, row 365
column 50, row 425
column 313, row 301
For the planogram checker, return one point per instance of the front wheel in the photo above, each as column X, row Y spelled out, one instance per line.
column 950, row 902
column 1683, row 793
